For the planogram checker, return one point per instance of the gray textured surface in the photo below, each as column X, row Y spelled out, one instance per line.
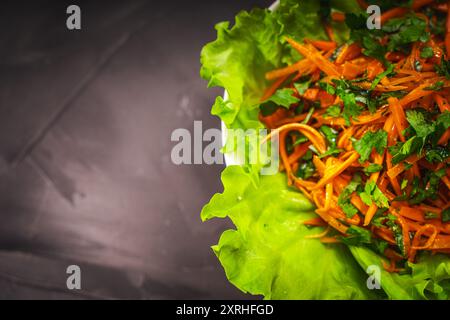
column 85, row 172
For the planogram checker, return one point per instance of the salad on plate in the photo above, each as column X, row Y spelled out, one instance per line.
column 357, row 93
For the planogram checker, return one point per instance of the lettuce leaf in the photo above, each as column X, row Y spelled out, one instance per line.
column 429, row 279
column 241, row 55
column 268, row 254
column 237, row 61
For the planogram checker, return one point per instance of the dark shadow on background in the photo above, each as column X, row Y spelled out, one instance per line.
column 85, row 171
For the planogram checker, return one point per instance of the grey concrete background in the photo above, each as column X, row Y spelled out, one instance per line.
column 85, row 171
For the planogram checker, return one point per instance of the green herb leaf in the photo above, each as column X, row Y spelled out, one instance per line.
column 373, row 193
column 437, row 86
column 372, row 168
column 357, row 236
column 344, row 198
column 371, row 140
column 443, row 69
column 302, row 86
column 445, row 215
column 283, row 97
column 333, row 111
column 420, row 123
column 427, row 52
column 380, row 77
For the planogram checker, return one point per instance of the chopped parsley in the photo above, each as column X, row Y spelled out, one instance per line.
column 372, row 194
column 371, row 140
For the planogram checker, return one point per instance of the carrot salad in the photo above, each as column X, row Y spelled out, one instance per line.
column 364, row 130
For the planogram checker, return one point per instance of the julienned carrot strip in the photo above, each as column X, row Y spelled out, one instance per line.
column 312, row 134
column 381, row 87
column 344, row 138
column 304, row 183
column 342, row 53
column 319, row 235
column 370, row 213
column 430, row 209
column 430, row 240
column 446, row 181
column 315, row 57
column 444, row 138
column 303, row 190
column 405, row 232
column 364, row 118
column 441, row 102
column 320, row 166
column 322, row 45
column 442, row 7
column 385, row 234
column 271, row 121
column 378, row 159
column 329, row 32
column 363, row 4
column 349, row 52
column 351, row 71
column 441, row 242
column 389, row 127
column 398, row 12
column 325, row 99
column 412, row 213
column 394, row 181
column 311, row 94
column 271, row 90
column 284, row 157
column 330, row 240
column 400, row 167
column 416, row 94
column 332, row 221
column 337, row 171
column 328, row 195
column 447, row 33
column 393, row 13
column 338, row 16
column 374, row 68
column 315, row 222
column 399, row 116
column 416, row 240
column 275, row 74
column 299, row 152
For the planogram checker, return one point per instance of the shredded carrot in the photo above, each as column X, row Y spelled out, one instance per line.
column 394, row 171
column 322, row 45
column 317, row 222
column 370, row 213
column 399, row 116
column 393, row 13
column 315, row 137
column 363, row 4
column 315, row 57
column 271, row 90
column 338, row 16
column 319, row 235
column 447, row 32
column 337, row 170
column 328, row 165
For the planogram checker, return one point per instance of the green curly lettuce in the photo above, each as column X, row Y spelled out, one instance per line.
column 267, row 254
column 428, row 279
